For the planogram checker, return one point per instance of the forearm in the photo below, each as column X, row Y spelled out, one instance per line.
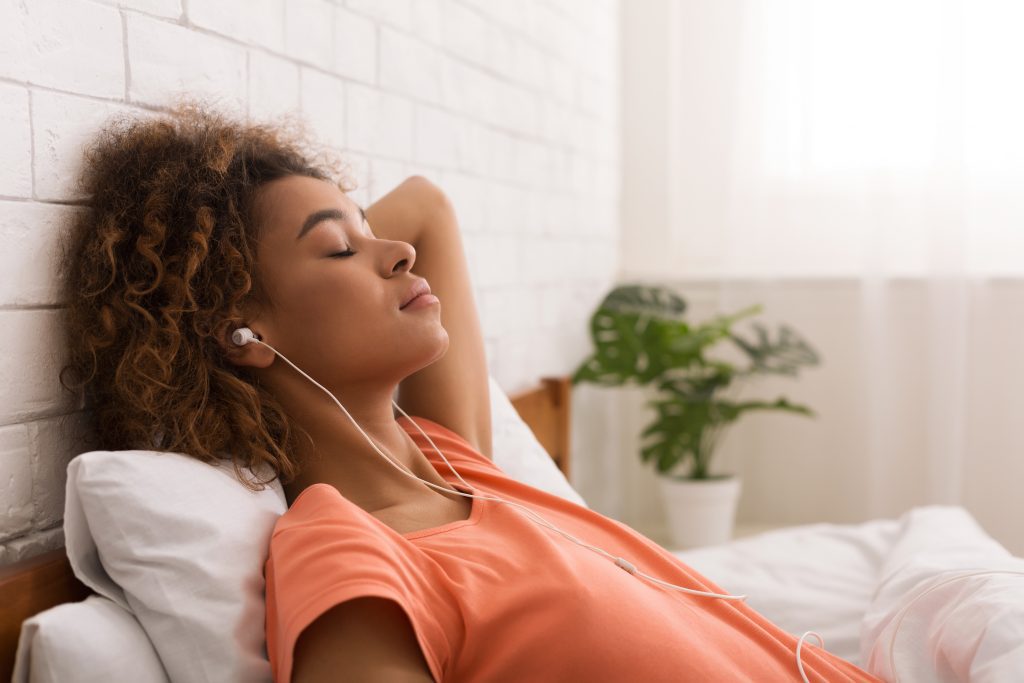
column 405, row 212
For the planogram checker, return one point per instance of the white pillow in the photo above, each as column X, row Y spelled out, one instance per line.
column 93, row 641
column 182, row 544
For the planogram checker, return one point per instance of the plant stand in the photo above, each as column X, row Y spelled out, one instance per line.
column 700, row 511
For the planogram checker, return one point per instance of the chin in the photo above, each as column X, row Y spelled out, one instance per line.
column 442, row 348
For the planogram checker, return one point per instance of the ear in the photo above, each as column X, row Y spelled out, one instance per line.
column 251, row 355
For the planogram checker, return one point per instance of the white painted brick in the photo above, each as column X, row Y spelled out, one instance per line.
column 555, row 121
column 170, row 9
column 574, row 49
column 32, row 357
column 55, row 441
column 604, row 35
column 570, row 8
column 594, row 96
column 16, row 142
column 510, row 14
column 435, row 137
column 273, row 86
column 323, row 105
column 607, row 182
column 63, row 125
column 556, row 169
column 467, row 195
column 464, row 88
column 520, row 307
column 603, row 258
column 464, row 32
column 398, row 13
column 385, row 176
column 15, row 481
column 554, row 311
column 15, row 37
column 544, row 263
column 494, row 259
column 167, row 59
column 501, row 209
column 307, row 36
column 499, row 49
column 65, row 44
column 531, row 163
column 472, row 147
column 359, row 172
column 514, row 108
column 513, row 210
column 560, row 85
column 378, row 123
column 560, row 215
column 409, row 66
column 256, row 22
column 553, row 32
column 530, row 208
column 31, row 235
column 30, row 545
column 581, row 173
column 502, row 162
column 426, row 20
column 355, row 46
column 529, row 64
column 504, row 310
column 585, row 132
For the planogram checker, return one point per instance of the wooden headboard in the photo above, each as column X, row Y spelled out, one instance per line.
column 36, row 584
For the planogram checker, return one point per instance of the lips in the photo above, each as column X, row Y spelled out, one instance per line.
column 419, row 287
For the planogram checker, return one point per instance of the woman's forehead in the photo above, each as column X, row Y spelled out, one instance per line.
column 287, row 204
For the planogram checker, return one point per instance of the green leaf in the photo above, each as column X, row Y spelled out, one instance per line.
column 785, row 355
column 644, row 299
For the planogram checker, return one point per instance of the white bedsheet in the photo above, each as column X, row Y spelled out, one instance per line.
column 849, row 583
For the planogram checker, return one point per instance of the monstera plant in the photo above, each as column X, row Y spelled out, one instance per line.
column 642, row 338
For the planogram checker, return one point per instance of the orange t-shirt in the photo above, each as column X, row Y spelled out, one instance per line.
column 498, row 597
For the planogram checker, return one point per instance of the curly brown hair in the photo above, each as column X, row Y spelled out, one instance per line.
column 158, row 263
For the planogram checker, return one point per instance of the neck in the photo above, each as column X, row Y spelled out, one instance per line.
column 337, row 453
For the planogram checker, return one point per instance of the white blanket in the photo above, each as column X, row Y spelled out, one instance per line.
column 852, row 583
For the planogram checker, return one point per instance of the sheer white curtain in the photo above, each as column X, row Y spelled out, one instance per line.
column 858, row 167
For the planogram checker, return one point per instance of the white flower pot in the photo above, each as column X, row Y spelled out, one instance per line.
column 700, row 511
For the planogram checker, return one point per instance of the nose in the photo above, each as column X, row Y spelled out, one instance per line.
column 400, row 257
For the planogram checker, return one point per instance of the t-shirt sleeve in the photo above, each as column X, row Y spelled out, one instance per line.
column 322, row 553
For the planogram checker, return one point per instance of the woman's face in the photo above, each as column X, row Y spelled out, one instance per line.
column 335, row 289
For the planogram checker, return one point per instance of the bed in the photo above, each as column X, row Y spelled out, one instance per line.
column 928, row 596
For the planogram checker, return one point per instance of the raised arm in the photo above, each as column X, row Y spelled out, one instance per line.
column 454, row 390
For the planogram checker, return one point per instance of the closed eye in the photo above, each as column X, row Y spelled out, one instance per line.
column 347, row 252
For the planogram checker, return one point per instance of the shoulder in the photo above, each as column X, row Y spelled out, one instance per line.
column 451, row 443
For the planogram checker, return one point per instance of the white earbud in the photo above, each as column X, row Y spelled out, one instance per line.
column 242, row 336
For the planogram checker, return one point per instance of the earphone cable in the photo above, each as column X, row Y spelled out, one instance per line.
column 622, row 563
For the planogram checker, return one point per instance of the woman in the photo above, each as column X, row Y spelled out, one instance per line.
column 198, row 226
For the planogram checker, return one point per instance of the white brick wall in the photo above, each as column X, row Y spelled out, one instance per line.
column 511, row 107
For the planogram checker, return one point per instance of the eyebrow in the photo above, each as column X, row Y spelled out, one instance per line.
column 317, row 217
